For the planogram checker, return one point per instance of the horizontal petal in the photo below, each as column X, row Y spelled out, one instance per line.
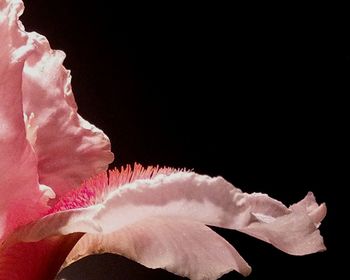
column 182, row 198
column 186, row 195
column 21, row 199
column 211, row 201
column 69, row 149
column 292, row 230
column 294, row 234
column 309, row 206
column 186, row 248
column 142, row 204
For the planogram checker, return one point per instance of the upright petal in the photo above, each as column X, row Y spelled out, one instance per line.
column 69, row 149
column 21, row 199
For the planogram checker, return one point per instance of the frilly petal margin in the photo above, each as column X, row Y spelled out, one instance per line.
column 309, row 206
column 22, row 199
column 191, row 201
column 293, row 230
column 69, row 149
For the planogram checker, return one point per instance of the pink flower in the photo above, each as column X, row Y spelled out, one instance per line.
column 52, row 213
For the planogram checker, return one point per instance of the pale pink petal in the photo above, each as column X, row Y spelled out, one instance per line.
column 309, row 206
column 69, row 149
column 183, row 196
column 264, row 207
column 183, row 247
column 21, row 199
column 292, row 230
column 293, row 233
column 211, row 201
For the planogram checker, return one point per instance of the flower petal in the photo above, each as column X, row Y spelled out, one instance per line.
column 69, row 149
column 35, row 261
column 183, row 247
column 186, row 195
column 292, row 230
column 309, row 206
column 211, row 201
column 40, row 130
column 216, row 202
column 294, row 234
column 21, row 199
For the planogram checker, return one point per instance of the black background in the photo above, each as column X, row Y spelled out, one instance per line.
column 250, row 93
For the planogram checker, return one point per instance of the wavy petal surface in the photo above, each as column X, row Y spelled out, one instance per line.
column 21, row 198
column 69, row 149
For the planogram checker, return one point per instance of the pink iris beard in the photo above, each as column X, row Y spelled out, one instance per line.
column 52, row 214
column 95, row 189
